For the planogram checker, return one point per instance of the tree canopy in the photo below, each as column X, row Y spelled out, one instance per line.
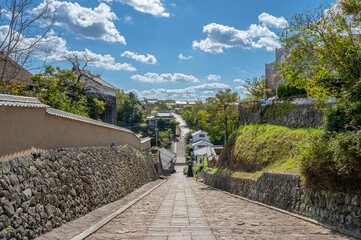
column 62, row 90
column 324, row 48
column 220, row 117
column 129, row 110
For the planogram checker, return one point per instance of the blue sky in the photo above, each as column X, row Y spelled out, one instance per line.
column 171, row 49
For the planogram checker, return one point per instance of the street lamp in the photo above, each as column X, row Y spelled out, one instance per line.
column 190, row 170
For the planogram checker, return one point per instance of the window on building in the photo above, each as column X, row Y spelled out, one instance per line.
column 202, row 135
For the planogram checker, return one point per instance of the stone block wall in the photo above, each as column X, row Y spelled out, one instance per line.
column 302, row 116
column 285, row 191
column 42, row 191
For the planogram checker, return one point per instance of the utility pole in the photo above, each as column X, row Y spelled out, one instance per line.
column 156, row 132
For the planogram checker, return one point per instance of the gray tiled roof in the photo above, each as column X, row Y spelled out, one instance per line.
column 19, row 101
column 97, row 80
column 209, row 151
column 198, row 132
column 166, row 156
column 202, row 142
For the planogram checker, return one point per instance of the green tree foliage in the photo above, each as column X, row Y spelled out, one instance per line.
column 188, row 136
column 344, row 117
column 324, row 52
column 61, row 89
column 173, row 125
column 160, row 106
column 190, row 113
column 129, row 110
column 220, row 116
column 287, row 90
column 257, row 88
column 165, row 139
column 333, row 163
column 161, row 124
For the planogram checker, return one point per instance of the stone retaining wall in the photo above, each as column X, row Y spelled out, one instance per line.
column 42, row 191
column 301, row 116
column 304, row 114
column 284, row 191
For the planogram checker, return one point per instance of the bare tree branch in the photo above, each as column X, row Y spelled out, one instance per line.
column 23, row 33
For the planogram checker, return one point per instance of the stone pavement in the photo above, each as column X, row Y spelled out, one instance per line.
column 233, row 218
column 171, row 212
column 184, row 209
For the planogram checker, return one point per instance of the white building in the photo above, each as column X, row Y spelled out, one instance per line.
column 200, row 144
column 200, row 135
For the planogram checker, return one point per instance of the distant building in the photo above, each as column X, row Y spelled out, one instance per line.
column 102, row 91
column 272, row 80
column 200, row 144
column 167, row 161
column 166, row 116
column 218, row 149
column 208, row 152
column 13, row 70
column 200, row 135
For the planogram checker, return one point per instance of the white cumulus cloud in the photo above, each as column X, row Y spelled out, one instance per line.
column 89, row 23
column 153, row 7
column 128, row 19
column 54, row 48
column 212, row 86
column 189, row 93
column 238, row 80
column 182, row 57
column 149, row 59
column 213, row 77
column 165, row 77
column 220, row 37
column 272, row 21
column 241, row 87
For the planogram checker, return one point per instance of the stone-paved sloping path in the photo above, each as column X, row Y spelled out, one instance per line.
column 233, row 218
column 171, row 212
column 183, row 209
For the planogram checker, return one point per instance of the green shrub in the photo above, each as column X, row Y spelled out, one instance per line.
column 188, row 136
column 197, row 169
column 334, row 163
column 343, row 117
column 287, row 90
column 185, row 170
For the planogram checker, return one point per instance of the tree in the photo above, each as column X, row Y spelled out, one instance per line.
column 221, row 115
column 161, row 124
column 325, row 51
column 23, row 31
column 165, row 139
column 129, row 110
column 257, row 88
column 60, row 89
column 190, row 113
column 188, row 136
column 173, row 125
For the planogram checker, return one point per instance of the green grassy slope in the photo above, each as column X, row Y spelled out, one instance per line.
column 255, row 149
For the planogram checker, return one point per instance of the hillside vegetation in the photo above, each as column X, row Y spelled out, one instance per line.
column 255, row 149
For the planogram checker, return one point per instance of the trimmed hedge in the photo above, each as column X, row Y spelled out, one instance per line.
column 287, row 90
